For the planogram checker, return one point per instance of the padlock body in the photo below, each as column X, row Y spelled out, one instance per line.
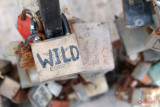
column 23, row 26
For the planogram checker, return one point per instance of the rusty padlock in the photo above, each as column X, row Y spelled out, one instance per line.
column 27, row 25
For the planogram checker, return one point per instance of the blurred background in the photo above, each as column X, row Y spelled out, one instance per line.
column 87, row 10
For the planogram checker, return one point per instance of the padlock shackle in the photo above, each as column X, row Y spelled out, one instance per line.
column 32, row 36
column 32, row 14
column 65, row 25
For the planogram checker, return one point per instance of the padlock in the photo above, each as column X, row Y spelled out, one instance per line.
column 26, row 25
column 154, row 74
column 133, row 39
column 54, row 88
column 80, row 91
column 140, row 72
column 146, row 97
column 151, row 56
column 95, row 46
column 137, row 13
column 40, row 96
column 61, row 57
column 153, row 41
column 9, row 88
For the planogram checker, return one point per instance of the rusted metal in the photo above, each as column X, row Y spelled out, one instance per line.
column 157, row 32
column 21, row 97
column 23, row 17
column 23, row 49
column 124, row 92
column 117, row 44
column 27, row 11
column 27, row 60
column 60, row 103
column 71, row 27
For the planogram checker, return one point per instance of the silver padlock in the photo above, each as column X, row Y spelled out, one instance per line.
column 81, row 92
column 40, row 96
column 133, row 39
column 54, row 88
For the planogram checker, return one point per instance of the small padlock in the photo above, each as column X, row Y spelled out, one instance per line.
column 40, row 96
column 9, row 88
column 55, row 88
column 27, row 25
column 81, row 92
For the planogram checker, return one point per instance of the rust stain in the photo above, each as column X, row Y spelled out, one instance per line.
column 27, row 60
column 157, row 32
column 71, row 27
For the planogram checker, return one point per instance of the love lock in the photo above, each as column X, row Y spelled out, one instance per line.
column 9, row 87
column 26, row 25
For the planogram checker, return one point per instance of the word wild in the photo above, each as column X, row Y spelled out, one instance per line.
column 74, row 57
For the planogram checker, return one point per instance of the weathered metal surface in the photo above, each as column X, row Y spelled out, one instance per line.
column 26, row 60
column 151, row 55
column 55, row 88
column 40, row 96
column 51, row 18
column 95, row 46
column 33, row 5
column 137, row 13
column 9, row 88
column 57, row 57
column 146, row 97
column 133, row 39
column 154, row 74
column 81, row 92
